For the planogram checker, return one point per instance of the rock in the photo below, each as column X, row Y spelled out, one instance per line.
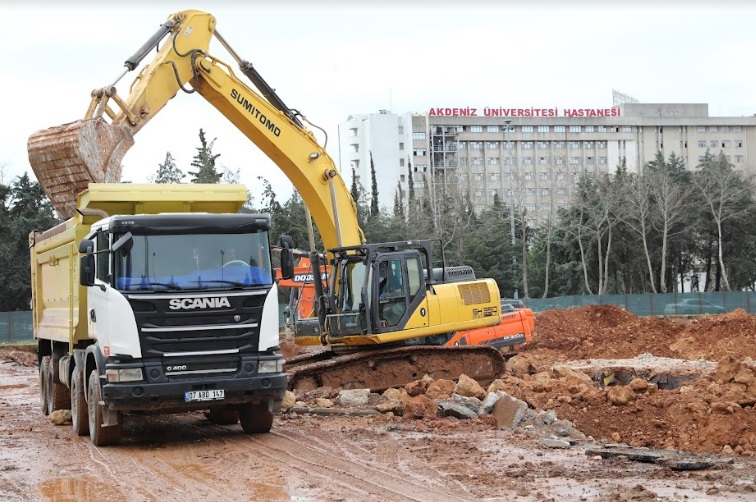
column 60, row 417
column 471, row 403
column 418, row 387
column 468, row 387
column 509, row 412
column 725, row 408
column 488, row 403
column 555, row 443
column 393, row 406
column 418, row 407
column 392, row 394
column 288, row 401
column 452, row 409
column 616, row 437
column 620, row 395
column 354, row 397
column 519, row 367
column 497, row 385
column 321, row 402
column 546, row 417
column 727, row 450
column 440, row 389
column 565, row 372
column 639, row 385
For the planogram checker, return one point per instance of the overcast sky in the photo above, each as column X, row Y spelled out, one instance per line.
column 332, row 59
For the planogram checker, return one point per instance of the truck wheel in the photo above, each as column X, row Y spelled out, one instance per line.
column 58, row 396
column 79, row 411
column 255, row 418
column 223, row 416
column 44, row 383
column 99, row 434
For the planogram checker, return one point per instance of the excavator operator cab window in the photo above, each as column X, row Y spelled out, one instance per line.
column 392, row 297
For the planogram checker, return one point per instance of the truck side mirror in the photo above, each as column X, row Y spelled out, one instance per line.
column 287, row 257
column 87, row 270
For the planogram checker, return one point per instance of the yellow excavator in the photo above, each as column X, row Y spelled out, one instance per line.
column 387, row 308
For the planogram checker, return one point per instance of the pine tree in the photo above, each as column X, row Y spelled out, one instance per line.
column 355, row 189
column 167, row 171
column 204, row 162
column 374, row 209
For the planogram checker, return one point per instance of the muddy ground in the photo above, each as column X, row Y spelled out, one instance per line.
column 596, row 381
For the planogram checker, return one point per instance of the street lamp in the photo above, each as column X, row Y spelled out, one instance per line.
column 511, row 207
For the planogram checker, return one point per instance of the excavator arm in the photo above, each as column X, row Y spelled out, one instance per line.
column 66, row 158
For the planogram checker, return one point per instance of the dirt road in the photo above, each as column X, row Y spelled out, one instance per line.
column 321, row 458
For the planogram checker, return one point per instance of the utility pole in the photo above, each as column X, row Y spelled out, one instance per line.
column 511, row 207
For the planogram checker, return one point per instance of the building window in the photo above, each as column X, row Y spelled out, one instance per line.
column 421, row 168
column 575, row 128
column 627, row 128
column 545, row 191
column 559, row 145
column 527, row 128
column 476, row 145
column 461, row 145
column 559, row 161
column 561, row 191
column 401, row 146
column 713, row 143
column 543, row 176
column 575, row 145
column 419, row 184
column 493, row 161
column 528, row 176
column 353, row 131
column 463, row 161
column 543, row 160
column 701, row 129
column 602, row 160
column 601, row 129
column 477, row 161
column 724, row 129
column 476, row 128
column 558, row 128
column 493, row 192
column 543, row 128
column 726, row 143
column 543, row 145
column 419, row 152
column 701, row 144
column 588, row 144
column 738, row 143
column 589, row 160
column 589, row 128
column 575, row 160
column 402, row 178
column 510, row 160
column 509, row 145
column 529, row 191
column 527, row 161
column 418, row 135
column 601, row 145
column 355, row 148
column 575, row 176
column 700, row 159
column 492, row 145
column 560, row 176
column 401, row 162
column 737, row 129
column 494, row 176
column 738, row 159
column 478, row 192
column 527, row 145
column 712, row 128
column 478, row 176
column 492, row 128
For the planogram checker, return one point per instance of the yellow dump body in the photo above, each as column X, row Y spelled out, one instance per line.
column 59, row 303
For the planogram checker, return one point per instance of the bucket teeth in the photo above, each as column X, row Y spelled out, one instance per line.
column 68, row 157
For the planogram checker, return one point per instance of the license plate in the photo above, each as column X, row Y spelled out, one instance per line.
column 204, row 395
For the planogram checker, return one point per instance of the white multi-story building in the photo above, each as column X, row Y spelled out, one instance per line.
column 534, row 155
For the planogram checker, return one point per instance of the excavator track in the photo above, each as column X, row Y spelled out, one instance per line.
column 381, row 369
column 68, row 157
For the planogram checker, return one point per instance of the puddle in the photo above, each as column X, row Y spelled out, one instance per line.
column 81, row 489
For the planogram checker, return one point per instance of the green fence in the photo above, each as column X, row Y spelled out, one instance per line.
column 658, row 304
column 17, row 326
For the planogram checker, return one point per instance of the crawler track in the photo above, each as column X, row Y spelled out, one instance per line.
column 381, row 369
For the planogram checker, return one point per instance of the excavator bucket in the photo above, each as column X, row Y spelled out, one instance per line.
column 68, row 157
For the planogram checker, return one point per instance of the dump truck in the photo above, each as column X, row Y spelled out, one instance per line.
column 158, row 299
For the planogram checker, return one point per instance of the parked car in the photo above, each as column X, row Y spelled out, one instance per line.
column 693, row 306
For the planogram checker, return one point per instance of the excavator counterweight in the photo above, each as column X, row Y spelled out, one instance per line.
column 68, row 157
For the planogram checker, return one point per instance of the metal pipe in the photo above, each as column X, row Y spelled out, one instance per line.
column 511, row 207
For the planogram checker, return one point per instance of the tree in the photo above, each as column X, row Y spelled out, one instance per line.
column 728, row 196
column 204, row 162
column 167, row 171
column 374, row 209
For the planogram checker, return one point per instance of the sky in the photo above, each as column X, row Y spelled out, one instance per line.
column 332, row 59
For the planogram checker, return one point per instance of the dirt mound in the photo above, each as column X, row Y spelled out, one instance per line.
column 716, row 337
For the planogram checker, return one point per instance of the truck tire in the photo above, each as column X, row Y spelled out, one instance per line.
column 255, row 418
column 79, row 411
column 58, row 396
column 99, row 434
column 223, row 416
column 44, row 383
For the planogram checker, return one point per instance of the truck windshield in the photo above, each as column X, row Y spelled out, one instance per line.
column 197, row 261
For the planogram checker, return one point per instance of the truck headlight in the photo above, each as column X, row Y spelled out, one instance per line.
column 124, row 375
column 271, row 366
